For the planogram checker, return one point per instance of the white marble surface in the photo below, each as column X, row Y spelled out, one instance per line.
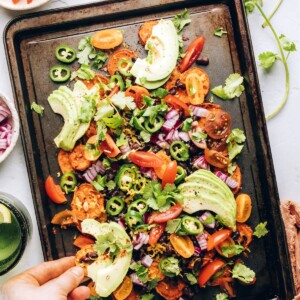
column 284, row 130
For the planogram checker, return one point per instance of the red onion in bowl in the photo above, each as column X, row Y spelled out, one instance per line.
column 184, row 136
column 4, row 113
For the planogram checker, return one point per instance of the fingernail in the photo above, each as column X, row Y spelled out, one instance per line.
column 77, row 271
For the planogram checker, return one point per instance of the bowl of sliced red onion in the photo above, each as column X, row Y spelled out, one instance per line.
column 9, row 127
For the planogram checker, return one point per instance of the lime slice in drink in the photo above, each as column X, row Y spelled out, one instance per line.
column 5, row 216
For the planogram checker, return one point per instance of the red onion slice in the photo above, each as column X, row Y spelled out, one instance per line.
column 169, row 124
column 202, row 241
column 201, row 163
column 184, row 136
column 136, row 280
column 199, row 111
column 163, row 144
column 91, row 173
column 228, row 180
column 197, row 251
column 125, row 149
column 172, row 114
column 204, row 220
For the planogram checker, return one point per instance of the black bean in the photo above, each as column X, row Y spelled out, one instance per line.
column 235, row 235
column 194, row 149
column 172, row 91
column 86, row 260
column 133, row 59
column 163, row 238
column 188, row 292
column 202, row 61
column 92, row 255
column 180, row 85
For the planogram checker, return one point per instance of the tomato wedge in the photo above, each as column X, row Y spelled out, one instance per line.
column 155, row 233
column 170, row 173
column 109, row 147
column 54, row 191
column 218, row 237
column 177, row 104
column 170, row 214
column 145, row 159
column 192, row 53
column 209, row 270
column 137, row 92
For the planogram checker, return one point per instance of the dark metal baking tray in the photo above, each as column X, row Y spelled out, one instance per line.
column 30, row 41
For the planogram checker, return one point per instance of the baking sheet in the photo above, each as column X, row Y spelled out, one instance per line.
column 30, row 43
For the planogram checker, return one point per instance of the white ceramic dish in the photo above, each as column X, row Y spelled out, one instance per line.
column 13, row 120
column 22, row 5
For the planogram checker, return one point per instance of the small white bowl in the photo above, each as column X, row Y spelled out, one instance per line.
column 22, row 5
column 13, row 120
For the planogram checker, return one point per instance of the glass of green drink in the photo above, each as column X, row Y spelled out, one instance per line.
column 15, row 231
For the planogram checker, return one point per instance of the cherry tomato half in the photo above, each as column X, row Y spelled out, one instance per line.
column 109, row 147
column 155, row 233
column 209, row 270
column 218, row 237
column 170, row 173
column 177, row 104
column 243, row 208
column 145, row 159
column 218, row 124
column 194, row 87
column 137, row 92
column 216, row 159
column 54, row 191
column 192, row 53
column 107, row 39
column 92, row 150
column 183, row 245
column 170, row 214
column 160, row 171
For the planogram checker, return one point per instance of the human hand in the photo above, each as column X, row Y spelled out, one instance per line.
column 53, row 280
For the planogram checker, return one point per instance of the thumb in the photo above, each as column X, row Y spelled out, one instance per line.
column 66, row 282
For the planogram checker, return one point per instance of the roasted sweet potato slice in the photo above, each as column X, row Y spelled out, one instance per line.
column 145, row 31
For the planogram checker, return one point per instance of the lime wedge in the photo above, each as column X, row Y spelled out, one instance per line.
column 5, row 216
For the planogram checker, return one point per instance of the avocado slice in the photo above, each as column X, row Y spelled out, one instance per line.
column 108, row 273
column 162, row 57
column 203, row 190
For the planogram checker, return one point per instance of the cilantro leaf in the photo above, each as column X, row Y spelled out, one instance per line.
column 148, row 101
column 153, row 111
column 242, row 273
column 86, row 51
column 84, row 73
column 181, row 20
column 232, row 250
column 114, row 121
column 267, row 59
column 101, row 131
column 141, row 271
column 108, row 242
column 100, row 60
column 104, row 110
column 39, row 109
column 222, row 296
column 173, row 226
column 261, row 230
column 234, row 141
column 286, row 44
column 187, row 124
column 233, row 87
column 152, row 284
column 191, row 278
column 121, row 140
column 122, row 101
column 145, row 136
column 147, row 297
column 99, row 183
column 128, row 83
column 219, row 32
column 170, row 266
column 198, row 136
column 159, row 93
column 111, row 185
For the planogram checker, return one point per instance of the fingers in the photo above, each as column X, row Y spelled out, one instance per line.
column 80, row 293
column 48, row 270
column 65, row 283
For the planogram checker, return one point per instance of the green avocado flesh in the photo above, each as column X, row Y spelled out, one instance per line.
column 203, row 190
column 108, row 273
column 67, row 103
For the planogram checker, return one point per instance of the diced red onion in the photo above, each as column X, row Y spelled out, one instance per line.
column 147, row 261
column 125, row 149
column 184, row 136
column 169, row 124
column 136, row 280
column 172, row 114
column 204, row 217
column 228, row 180
column 4, row 113
column 170, row 135
column 199, row 111
column 139, row 240
column 178, row 124
column 201, row 163
column 163, row 144
column 122, row 222
column 197, row 251
column 202, row 241
column 91, row 173
column 202, row 144
column 5, row 136
column 149, row 173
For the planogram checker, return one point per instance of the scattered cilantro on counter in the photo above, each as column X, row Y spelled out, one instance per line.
column 234, row 143
column 86, row 51
column 181, row 20
column 242, row 273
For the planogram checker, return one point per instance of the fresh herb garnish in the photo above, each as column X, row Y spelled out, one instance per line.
column 191, row 278
column 243, row 273
column 86, row 51
column 219, row 32
column 181, row 20
column 232, row 250
column 235, row 142
column 100, row 60
column 222, row 296
column 39, row 109
column 261, row 230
